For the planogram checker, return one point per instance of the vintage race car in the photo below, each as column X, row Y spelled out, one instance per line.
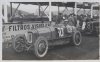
column 39, row 36
column 92, row 27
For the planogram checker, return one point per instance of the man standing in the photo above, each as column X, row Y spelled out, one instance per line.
column 72, row 20
column 60, row 18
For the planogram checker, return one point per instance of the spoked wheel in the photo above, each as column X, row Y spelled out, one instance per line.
column 76, row 38
column 40, row 47
column 18, row 44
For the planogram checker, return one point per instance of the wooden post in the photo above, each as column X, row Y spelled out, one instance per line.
column 11, row 8
column 50, row 11
column 75, row 12
column 91, row 11
column 39, row 10
column 58, row 10
column 5, row 12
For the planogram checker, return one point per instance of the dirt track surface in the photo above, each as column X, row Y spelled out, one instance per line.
column 89, row 49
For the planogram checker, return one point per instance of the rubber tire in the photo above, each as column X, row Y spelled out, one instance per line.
column 36, row 47
column 14, row 41
column 73, row 42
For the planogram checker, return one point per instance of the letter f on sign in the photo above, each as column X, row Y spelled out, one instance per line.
column 10, row 28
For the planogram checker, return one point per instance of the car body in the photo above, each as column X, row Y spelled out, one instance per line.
column 38, row 36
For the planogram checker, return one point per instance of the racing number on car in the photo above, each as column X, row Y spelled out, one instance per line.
column 61, row 32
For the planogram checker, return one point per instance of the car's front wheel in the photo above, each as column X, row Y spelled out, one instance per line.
column 18, row 44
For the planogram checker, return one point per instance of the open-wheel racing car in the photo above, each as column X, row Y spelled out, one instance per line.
column 40, row 38
column 92, row 27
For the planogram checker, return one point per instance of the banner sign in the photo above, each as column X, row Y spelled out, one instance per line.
column 18, row 27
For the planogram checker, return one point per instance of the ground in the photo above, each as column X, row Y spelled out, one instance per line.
column 89, row 49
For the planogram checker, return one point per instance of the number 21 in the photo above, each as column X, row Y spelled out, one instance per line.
column 61, row 32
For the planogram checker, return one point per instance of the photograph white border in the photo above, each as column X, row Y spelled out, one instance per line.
column 42, row 1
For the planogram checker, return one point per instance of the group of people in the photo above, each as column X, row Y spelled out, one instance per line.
column 73, row 20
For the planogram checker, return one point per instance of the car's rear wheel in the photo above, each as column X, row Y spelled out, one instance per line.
column 40, row 47
column 76, row 39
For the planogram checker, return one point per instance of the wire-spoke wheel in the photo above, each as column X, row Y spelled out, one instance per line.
column 18, row 44
column 40, row 47
column 76, row 38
